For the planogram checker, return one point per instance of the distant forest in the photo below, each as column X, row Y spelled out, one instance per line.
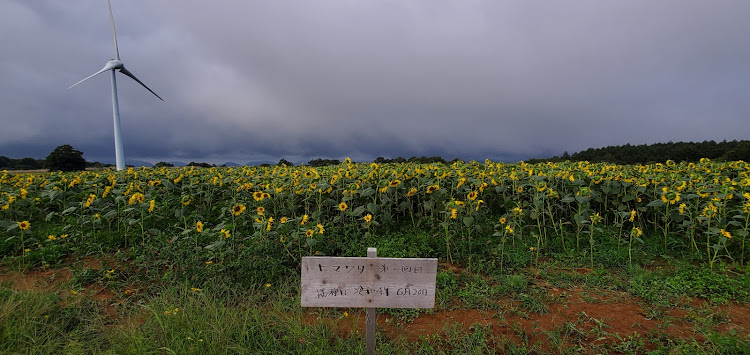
column 622, row 154
column 660, row 153
column 34, row 164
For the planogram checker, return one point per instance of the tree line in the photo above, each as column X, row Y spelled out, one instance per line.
column 65, row 158
column 660, row 153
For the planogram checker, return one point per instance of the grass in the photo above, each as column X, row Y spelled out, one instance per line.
column 169, row 316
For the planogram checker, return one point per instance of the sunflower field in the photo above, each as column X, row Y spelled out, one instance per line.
column 253, row 224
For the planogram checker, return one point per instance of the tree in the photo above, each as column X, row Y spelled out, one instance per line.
column 5, row 162
column 163, row 164
column 285, row 162
column 65, row 158
column 200, row 165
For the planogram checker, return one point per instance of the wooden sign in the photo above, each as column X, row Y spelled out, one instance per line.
column 368, row 282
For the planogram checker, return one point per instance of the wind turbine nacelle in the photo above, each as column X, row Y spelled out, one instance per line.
column 114, row 64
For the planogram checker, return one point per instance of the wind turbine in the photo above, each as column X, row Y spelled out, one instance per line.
column 111, row 66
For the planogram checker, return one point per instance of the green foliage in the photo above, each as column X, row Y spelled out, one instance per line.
column 32, row 322
column 20, row 164
column 661, row 152
column 65, row 158
column 163, row 164
column 667, row 287
column 200, row 165
column 323, row 162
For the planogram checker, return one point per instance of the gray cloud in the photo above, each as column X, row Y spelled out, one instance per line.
column 476, row 79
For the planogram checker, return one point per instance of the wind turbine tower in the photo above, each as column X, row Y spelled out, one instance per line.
column 112, row 66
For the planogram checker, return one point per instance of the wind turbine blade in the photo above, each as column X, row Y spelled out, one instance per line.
column 114, row 36
column 106, row 67
column 128, row 73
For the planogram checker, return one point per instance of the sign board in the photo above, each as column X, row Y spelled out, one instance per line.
column 368, row 282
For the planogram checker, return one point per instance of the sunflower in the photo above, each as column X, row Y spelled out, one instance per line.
column 412, row 192
column 136, row 197
column 258, row 195
column 225, row 233
column 454, row 213
column 636, row 232
column 24, row 225
column 503, row 220
column 670, row 197
column 432, row 188
column 320, row 228
column 199, row 226
column 367, row 218
column 151, row 205
column 710, row 210
column 472, row 195
column 261, row 211
column 309, row 233
column 343, row 206
column 90, row 200
column 238, row 209
column 283, row 220
column 304, row 219
column 725, row 234
column 394, row 183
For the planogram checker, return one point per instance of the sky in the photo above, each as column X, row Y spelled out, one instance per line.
column 249, row 80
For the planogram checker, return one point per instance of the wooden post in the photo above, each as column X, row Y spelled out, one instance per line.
column 371, row 317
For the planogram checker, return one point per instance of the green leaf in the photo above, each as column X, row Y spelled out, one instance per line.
column 68, row 210
column 655, row 203
column 367, row 192
column 468, row 221
column 372, row 207
column 214, row 245
column 358, row 211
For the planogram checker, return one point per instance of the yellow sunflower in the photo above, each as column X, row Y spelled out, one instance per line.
column 238, row 209
column 24, row 225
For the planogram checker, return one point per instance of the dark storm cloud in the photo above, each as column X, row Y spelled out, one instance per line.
column 245, row 80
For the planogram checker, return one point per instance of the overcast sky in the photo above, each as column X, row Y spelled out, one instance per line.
column 263, row 80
